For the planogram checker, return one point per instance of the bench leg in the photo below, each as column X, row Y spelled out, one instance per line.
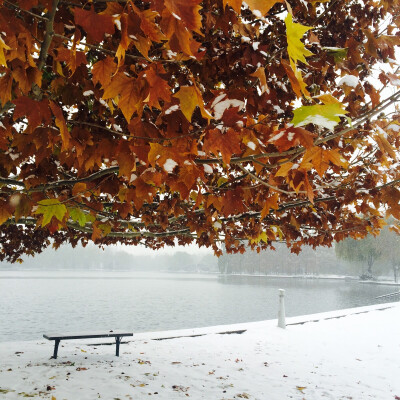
column 56, row 343
column 117, row 343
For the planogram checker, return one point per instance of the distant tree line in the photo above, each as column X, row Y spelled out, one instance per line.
column 367, row 258
column 114, row 258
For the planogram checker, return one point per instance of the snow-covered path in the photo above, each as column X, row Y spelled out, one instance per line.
column 353, row 357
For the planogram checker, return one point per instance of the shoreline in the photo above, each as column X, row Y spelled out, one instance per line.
column 337, row 355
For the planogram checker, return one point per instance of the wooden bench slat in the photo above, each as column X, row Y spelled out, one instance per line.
column 88, row 335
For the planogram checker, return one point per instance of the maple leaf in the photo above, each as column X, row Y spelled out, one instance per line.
column 320, row 159
column 270, row 203
column 227, row 143
column 158, row 87
column 5, row 88
column 296, row 49
column 262, row 6
column 35, row 111
column 190, row 98
column 296, row 80
column 94, row 24
column 3, row 47
column 77, row 215
column 148, row 25
column 61, row 124
column 103, row 70
column 288, row 137
column 5, row 212
column 50, row 208
column 325, row 115
column 384, row 145
column 187, row 11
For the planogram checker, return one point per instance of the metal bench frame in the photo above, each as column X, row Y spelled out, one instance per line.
column 116, row 334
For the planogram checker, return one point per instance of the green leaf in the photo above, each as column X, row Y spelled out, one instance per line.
column 337, row 53
column 326, row 115
column 77, row 215
column 51, row 208
column 296, row 49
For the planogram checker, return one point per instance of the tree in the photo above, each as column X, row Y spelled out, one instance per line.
column 366, row 251
column 390, row 247
column 163, row 121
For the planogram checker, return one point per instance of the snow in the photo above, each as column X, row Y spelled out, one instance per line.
column 345, row 354
column 394, row 127
column 171, row 109
column 319, row 120
column 251, row 145
column 220, row 106
column 88, row 92
column 207, row 169
column 117, row 23
column 169, row 165
column 349, row 80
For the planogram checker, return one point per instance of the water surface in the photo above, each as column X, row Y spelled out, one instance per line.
column 35, row 302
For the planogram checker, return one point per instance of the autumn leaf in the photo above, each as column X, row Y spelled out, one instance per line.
column 270, row 203
column 190, row 98
column 320, row 159
column 3, row 47
column 50, row 208
column 61, row 124
column 77, row 215
column 296, row 80
column 5, row 88
column 296, row 49
column 227, row 143
column 187, row 11
column 5, row 212
column 94, row 24
column 325, row 115
column 262, row 237
column 103, row 70
column 384, row 144
column 261, row 6
column 158, row 87
column 35, row 111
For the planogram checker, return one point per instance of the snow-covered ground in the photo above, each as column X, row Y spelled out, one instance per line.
column 346, row 354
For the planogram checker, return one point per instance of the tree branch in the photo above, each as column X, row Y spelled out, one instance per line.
column 48, row 37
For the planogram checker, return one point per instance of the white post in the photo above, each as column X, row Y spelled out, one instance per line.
column 281, row 314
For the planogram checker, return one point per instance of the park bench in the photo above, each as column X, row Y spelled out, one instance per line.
column 118, row 335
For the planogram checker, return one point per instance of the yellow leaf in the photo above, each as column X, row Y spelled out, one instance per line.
column 190, row 98
column 301, row 388
column 384, row 145
column 50, row 208
column 261, row 237
column 296, row 49
column 3, row 47
column 284, row 169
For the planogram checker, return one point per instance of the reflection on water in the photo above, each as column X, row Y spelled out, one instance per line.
column 35, row 302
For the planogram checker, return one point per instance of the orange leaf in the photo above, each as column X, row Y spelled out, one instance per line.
column 271, row 202
column 103, row 70
column 5, row 88
column 94, row 24
column 5, row 212
column 61, row 125
column 158, row 87
column 263, row 6
column 227, row 143
column 187, row 11
column 284, row 169
column 79, row 188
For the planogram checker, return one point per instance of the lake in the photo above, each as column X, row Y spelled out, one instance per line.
column 35, row 302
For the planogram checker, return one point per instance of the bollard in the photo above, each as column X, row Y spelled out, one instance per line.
column 281, row 313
